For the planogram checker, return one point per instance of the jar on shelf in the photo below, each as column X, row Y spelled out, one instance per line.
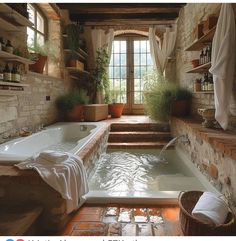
column 197, row 85
column 7, row 74
column 1, row 74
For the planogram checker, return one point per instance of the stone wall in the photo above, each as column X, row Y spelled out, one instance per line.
column 190, row 16
column 218, row 167
column 29, row 108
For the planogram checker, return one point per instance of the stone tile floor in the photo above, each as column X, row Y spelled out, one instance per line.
column 121, row 220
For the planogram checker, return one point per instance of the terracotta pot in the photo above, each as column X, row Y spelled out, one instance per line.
column 76, row 114
column 38, row 66
column 180, row 107
column 116, row 109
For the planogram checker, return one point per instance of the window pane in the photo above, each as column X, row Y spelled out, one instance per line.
column 137, row 72
column 40, row 39
column 116, row 59
column 149, row 59
column 143, row 59
column 123, row 72
column 143, row 46
column 110, row 72
column 143, row 71
column 40, row 23
column 123, row 46
column 30, row 10
column 137, row 84
column 111, row 60
column 116, row 72
column 116, row 46
column 30, row 37
column 136, row 59
column 123, row 59
column 136, row 46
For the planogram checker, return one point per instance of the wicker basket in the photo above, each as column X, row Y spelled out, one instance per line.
column 193, row 227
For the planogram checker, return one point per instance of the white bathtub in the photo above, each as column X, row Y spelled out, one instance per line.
column 70, row 137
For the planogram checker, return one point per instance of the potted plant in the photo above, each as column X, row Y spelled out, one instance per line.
column 100, row 76
column 163, row 98
column 115, row 108
column 70, row 105
column 40, row 54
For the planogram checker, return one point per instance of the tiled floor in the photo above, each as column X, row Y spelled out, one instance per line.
column 118, row 220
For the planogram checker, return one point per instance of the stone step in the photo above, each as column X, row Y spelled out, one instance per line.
column 138, row 145
column 117, row 127
column 19, row 220
column 136, row 136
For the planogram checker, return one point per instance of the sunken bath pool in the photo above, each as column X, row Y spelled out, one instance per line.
column 139, row 174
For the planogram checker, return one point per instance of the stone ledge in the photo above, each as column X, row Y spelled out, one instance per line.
column 221, row 141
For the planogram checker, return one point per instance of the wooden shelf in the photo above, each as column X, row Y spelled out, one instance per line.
column 76, row 70
column 201, row 68
column 11, row 92
column 8, row 27
column 79, row 53
column 13, row 17
column 202, row 42
column 13, row 84
column 204, row 92
column 14, row 58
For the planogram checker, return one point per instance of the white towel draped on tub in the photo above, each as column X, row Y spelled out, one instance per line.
column 210, row 209
column 62, row 171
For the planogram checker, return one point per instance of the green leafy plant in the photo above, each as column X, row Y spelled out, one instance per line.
column 45, row 49
column 68, row 101
column 72, row 39
column 100, row 75
column 117, row 95
column 159, row 95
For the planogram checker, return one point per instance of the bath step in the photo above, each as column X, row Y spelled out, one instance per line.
column 137, row 145
column 19, row 220
column 117, row 127
column 137, row 136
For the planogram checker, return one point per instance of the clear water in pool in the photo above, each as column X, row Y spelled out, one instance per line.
column 142, row 171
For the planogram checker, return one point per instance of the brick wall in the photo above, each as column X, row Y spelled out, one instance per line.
column 189, row 17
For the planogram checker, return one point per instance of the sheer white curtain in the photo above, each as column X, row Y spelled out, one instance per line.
column 223, row 63
column 101, row 38
column 161, row 51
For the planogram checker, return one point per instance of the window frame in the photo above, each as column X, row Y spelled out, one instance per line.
column 37, row 10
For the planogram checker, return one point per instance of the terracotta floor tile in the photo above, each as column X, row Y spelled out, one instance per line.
column 68, row 229
column 129, row 229
column 89, row 225
column 88, row 233
column 171, row 214
column 87, row 218
column 91, row 210
column 144, row 230
column 158, row 230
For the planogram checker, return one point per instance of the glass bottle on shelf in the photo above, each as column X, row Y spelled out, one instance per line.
column 18, row 75
column 1, row 74
column 13, row 74
column 9, row 47
column 205, row 82
column 201, row 58
column 209, row 53
column 202, row 85
column 205, row 56
column 7, row 73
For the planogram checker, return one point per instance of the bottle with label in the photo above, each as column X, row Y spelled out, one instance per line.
column 205, row 56
column 1, row 74
column 202, row 85
column 209, row 53
column 9, row 47
column 13, row 74
column 201, row 58
column 205, row 82
column 18, row 75
column 210, row 83
column 7, row 73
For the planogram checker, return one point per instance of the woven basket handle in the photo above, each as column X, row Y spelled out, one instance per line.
column 180, row 194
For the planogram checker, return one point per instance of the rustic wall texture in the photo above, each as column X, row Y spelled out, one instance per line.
column 29, row 108
column 190, row 16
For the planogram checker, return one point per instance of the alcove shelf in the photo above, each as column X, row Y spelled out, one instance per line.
column 14, row 58
column 200, row 69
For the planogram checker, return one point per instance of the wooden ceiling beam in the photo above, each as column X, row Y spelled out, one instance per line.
column 135, row 16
